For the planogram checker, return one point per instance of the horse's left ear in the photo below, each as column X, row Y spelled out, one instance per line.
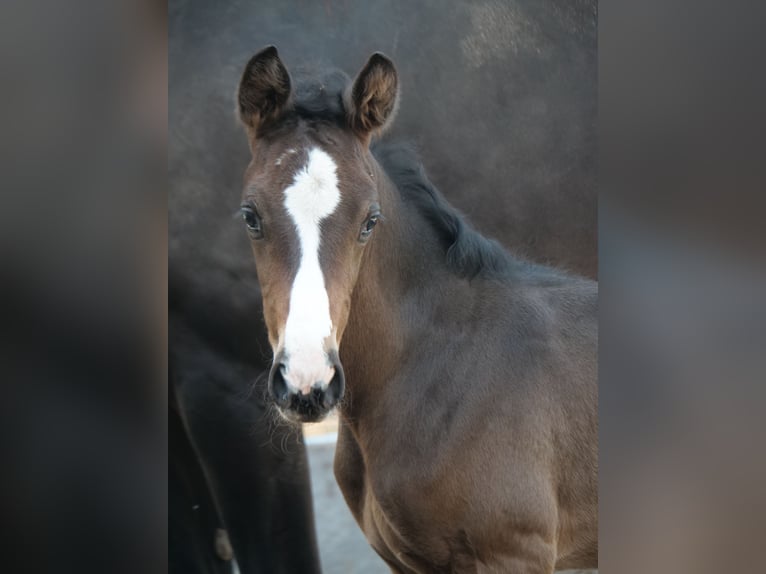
column 374, row 96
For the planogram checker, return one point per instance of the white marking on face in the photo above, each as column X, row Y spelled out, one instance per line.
column 313, row 196
column 291, row 151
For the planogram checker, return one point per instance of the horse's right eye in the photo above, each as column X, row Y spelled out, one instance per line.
column 253, row 222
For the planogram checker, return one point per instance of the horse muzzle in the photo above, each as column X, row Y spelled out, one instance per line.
column 306, row 394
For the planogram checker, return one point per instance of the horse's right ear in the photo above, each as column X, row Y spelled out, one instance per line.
column 264, row 90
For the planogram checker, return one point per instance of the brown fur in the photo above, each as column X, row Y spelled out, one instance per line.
column 450, row 478
column 469, row 431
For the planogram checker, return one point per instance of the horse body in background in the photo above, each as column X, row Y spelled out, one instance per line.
column 465, row 378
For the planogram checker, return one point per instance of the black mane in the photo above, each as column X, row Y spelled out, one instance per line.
column 468, row 252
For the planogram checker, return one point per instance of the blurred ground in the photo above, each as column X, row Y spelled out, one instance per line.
column 327, row 426
column 343, row 548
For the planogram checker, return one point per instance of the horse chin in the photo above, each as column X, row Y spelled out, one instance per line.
column 300, row 415
column 301, row 418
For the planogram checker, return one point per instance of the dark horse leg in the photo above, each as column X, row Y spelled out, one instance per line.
column 193, row 519
column 258, row 472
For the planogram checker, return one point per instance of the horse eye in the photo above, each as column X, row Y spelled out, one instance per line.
column 253, row 222
column 367, row 227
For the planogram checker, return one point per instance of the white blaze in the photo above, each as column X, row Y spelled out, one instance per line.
column 313, row 196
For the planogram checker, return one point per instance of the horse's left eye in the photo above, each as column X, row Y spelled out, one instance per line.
column 367, row 227
column 253, row 222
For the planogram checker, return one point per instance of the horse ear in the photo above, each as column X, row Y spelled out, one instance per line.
column 374, row 96
column 264, row 90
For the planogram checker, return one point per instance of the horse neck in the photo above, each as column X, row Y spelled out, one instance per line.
column 402, row 283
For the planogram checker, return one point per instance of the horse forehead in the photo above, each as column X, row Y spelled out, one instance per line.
column 314, row 193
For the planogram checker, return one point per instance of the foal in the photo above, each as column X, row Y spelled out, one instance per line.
column 468, row 439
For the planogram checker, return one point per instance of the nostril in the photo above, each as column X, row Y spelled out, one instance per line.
column 278, row 384
column 334, row 392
